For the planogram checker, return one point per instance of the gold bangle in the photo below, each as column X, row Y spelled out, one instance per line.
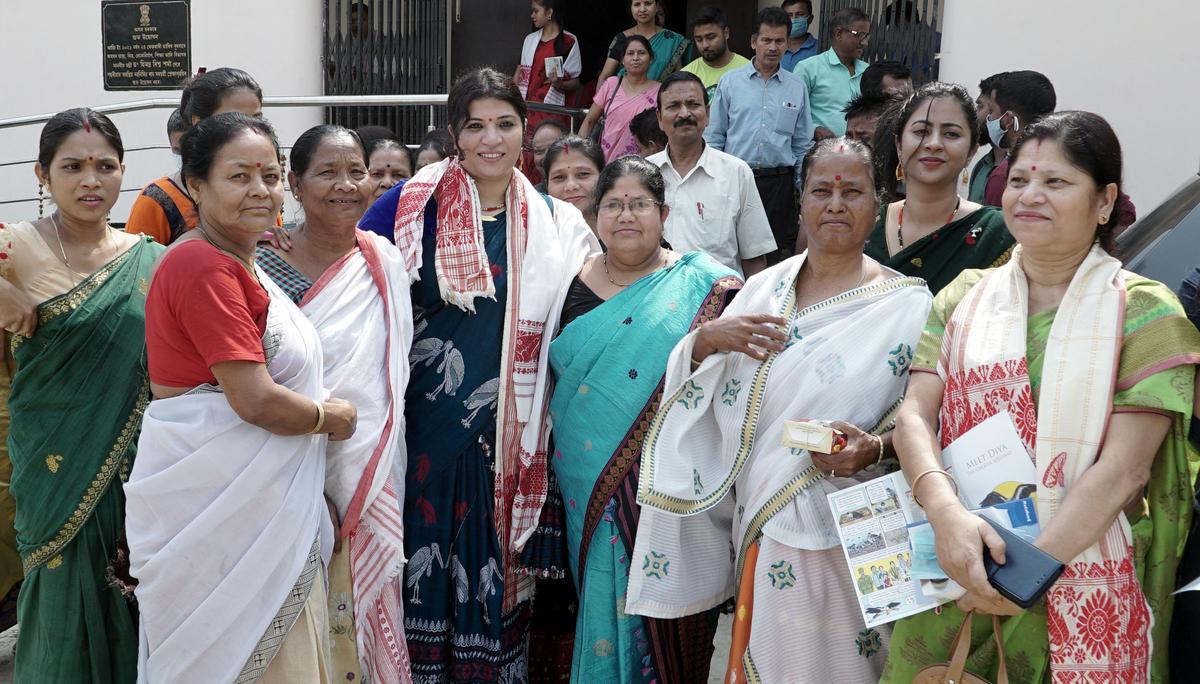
column 320, row 417
column 917, row 480
column 880, row 459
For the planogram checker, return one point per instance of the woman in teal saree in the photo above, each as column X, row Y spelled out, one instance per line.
column 623, row 314
column 671, row 50
column 76, row 404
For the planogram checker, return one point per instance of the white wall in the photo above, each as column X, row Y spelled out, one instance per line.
column 52, row 61
column 1134, row 65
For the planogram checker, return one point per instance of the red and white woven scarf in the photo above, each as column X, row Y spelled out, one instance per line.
column 544, row 252
column 1098, row 619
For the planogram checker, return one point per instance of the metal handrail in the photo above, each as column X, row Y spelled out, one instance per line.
column 289, row 101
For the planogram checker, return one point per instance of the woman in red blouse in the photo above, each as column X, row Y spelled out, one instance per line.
column 226, row 519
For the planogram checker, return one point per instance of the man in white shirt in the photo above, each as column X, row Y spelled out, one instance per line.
column 715, row 205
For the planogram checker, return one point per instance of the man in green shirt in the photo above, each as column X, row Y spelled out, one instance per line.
column 834, row 76
column 710, row 33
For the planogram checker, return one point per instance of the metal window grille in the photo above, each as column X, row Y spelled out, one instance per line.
column 906, row 31
column 401, row 47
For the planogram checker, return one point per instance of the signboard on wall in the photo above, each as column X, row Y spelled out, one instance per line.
column 147, row 44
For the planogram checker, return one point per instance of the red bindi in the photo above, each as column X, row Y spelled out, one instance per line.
column 87, row 128
column 1034, row 167
column 90, row 159
column 258, row 165
column 837, row 178
column 842, row 147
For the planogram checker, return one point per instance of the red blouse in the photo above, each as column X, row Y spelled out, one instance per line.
column 203, row 308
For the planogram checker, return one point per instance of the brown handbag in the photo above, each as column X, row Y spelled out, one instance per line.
column 954, row 671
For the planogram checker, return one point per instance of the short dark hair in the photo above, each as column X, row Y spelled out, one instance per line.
column 63, row 124
column 646, row 173
column 1028, row 94
column 772, row 16
column 308, row 142
column 872, row 78
column 550, row 122
column 708, row 15
column 175, row 122
column 987, row 85
column 202, row 142
column 788, row 3
column 585, row 146
column 202, row 94
column 867, row 105
column 479, row 84
column 1091, row 145
column 843, row 18
column 439, row 141
column 645, row 128
column 369, row 134
column 680, row 77
column 392, row 144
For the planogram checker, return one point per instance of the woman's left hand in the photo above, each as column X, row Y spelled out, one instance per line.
column 861, row 450
column 982, row 604
column 279, row 238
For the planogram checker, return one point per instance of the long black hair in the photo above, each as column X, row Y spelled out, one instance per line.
column 892, row 124
column 560, row 41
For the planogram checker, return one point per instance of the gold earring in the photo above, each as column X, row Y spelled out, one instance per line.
column 899, row 172
column 41, row 201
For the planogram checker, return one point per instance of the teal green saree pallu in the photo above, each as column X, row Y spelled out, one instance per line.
column 77, row 399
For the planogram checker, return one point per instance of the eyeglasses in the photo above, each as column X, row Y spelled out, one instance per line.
column 637, row 207
column 862, row 36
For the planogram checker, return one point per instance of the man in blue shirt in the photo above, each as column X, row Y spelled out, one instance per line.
column 834, row 77
column 801, row 44
column 760, row 114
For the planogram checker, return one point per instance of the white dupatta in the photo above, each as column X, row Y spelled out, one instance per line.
column 221, row 516
column 363, row 312
column 720, row 428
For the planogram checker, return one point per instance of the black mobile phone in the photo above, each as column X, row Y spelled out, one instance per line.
column 1028, row 572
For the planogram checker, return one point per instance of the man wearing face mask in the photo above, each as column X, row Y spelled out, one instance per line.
column 993, row 155
column 715, row 207
column 710, row 33
column 1019, row 99
column 801, row 44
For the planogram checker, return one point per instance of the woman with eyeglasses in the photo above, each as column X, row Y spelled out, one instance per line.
column 623, row 314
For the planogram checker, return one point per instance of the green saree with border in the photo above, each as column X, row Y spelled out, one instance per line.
column 77, row 399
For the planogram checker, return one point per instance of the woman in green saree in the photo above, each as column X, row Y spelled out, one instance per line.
column 671, row 50
column 934, row 233
column 74, row 292
column 1096, row 366
column 622, row 316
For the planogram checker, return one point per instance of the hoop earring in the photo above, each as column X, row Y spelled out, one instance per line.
column 41, row 201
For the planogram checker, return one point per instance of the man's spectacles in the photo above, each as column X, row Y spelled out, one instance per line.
column 862, row 36
column 637, row 207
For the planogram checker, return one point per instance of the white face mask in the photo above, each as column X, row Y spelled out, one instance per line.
column 178, row 160
column 996, row 131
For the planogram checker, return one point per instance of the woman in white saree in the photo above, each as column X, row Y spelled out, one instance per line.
column 354, row 288
column 726, row 509
column 225, row 514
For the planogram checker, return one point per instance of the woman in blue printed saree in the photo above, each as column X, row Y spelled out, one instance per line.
column 727, row 509
column 491, row 260
column 623, row 314
column 76, row 403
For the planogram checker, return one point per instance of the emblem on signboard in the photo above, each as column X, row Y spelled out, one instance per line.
column 145, row 10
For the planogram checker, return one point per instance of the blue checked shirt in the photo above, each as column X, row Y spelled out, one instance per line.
column 764, row 123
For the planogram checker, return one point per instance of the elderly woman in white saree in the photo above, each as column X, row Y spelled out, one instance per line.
column 226, row 518
column 354, row 288
column 726, row 509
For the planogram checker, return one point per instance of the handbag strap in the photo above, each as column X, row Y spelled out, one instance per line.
column 962, row 649
column 604, row 112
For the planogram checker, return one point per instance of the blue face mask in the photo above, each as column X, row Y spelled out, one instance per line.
column 799, row 27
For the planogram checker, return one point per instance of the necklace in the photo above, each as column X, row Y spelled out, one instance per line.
column 900, row 220
column 63, row 252
column 249, row 265
column 610, row 278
